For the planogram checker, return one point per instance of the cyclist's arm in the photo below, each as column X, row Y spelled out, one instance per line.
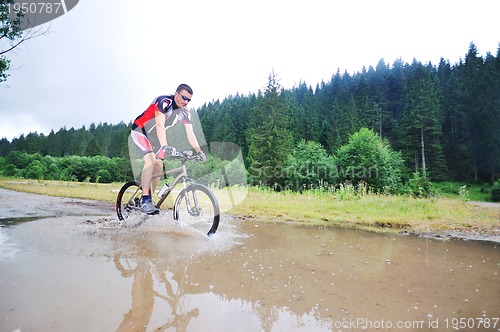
column 192, row 137
column 160, row 128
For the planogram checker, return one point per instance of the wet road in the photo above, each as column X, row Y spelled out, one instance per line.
column 87, row 272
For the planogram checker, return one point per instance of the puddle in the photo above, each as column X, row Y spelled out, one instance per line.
column 94, row 274
column 6, row 222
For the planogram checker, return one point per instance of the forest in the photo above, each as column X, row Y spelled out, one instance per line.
column 438, row 122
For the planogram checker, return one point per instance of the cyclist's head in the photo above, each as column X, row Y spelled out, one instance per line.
column 184, row 87
column 183, row 95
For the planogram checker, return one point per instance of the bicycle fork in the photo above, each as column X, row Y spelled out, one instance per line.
column 191, row 209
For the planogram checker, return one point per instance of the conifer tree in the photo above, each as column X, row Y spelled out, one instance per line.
column 270, row 141
column 422, row 123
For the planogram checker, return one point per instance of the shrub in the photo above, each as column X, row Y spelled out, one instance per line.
column 309, row 167
column 464, row 193
column 485, row 188
column 495, row 192
column 34, row 170
column 67, row 168
column 419, row 186
column 367, row 158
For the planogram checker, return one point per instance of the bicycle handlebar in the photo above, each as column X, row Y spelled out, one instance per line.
column 184, row 155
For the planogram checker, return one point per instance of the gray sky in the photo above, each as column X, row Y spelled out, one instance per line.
column 106, row 60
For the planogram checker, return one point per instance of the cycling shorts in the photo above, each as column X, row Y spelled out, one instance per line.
column 145, row 145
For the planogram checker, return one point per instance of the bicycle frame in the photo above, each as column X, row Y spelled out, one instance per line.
column 183, row 176
column 195, row 204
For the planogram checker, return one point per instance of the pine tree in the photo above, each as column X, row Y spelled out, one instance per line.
column 93, row 148
column 422, row 123
column 396, row 87
column 55, row 143
column 270, row 141
column 380, row 89
column 488, row 120
column 469, row 107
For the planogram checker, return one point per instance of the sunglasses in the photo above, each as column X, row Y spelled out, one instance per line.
column 184, row 97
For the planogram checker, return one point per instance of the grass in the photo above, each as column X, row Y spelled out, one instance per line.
column 369, row 211
column 94, row 191
column 372, row 211
column 467, row 191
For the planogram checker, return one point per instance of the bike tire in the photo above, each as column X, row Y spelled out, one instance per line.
column 128, row 200
column 206, row 215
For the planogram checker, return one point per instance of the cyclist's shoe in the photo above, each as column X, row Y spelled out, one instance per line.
column 148, row 208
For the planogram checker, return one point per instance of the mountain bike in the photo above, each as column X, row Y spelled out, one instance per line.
column 195, row 205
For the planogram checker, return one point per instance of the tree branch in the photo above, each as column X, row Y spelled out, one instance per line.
column 32, row 33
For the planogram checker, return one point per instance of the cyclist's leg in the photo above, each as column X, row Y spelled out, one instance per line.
column 147, row 173
column 147, row 205
column 145, row 147
column 157, row 168
column 158, row 160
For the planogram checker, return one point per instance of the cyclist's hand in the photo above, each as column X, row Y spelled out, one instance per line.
column 201, row 156
column 166, row 151
column 169, row 150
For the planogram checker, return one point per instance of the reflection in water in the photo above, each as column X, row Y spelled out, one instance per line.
column 249, row 277
column 178, row 286
column 162, row 265
column 144, row 296
column 286, row 277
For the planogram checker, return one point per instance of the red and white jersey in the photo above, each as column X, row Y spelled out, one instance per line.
column 166, row 105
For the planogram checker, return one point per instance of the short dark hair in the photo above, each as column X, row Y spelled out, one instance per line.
column 184, row 87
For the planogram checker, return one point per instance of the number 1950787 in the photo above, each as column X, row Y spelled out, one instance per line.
column 35, row 8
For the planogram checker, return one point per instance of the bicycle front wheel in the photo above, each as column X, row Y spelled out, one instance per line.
column 197, row 207
column 128, row 201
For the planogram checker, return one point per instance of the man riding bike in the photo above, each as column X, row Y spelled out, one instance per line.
column 150, row 138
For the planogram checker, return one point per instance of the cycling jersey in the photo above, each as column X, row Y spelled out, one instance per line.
column 144, row 127
column 166, row 105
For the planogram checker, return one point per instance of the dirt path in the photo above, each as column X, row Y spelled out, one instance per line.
column 15, row 204
column 486, row 204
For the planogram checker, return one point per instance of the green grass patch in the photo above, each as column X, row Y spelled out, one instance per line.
column 394, row 212
column 96, row 191
column 464, row 191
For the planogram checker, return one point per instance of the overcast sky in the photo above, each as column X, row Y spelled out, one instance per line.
column 106, row 60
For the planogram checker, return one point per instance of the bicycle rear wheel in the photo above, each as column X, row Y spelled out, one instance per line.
column 128, row 201
column 197, row 207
